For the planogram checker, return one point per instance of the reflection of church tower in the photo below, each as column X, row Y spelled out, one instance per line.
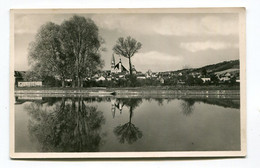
column 121, row 107
column 119, row 104
column 113, row 108
column 116, row 104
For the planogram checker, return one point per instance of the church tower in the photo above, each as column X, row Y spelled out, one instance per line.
column 113, row 64
column 120, row 65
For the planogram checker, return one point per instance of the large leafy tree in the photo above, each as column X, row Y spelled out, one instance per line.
column 46, row 56
column 70, row 50
column 127, row 47
column 80, row 40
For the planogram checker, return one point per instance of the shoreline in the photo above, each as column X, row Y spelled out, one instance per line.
column 124, row 92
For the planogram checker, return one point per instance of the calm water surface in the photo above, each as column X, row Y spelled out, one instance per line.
column 126, row 124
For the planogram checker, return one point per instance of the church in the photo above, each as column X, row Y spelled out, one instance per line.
column 117, row 68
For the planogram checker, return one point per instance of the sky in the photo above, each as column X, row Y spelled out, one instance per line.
column 170, row 41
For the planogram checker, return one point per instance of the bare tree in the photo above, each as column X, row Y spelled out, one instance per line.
column 127, row 48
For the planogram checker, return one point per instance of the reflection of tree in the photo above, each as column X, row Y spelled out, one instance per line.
column 66, row 127
column 226, row 103
column 51, row 100
column 129, row 132
column 169, row 100
column 187, row 106
column 159, row 101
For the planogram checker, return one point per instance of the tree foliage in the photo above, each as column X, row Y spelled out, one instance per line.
column 81, row 41
column 127, row 47
column 45, row 54
column 70, row 50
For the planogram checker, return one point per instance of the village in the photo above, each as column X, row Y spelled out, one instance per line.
column 118, row 74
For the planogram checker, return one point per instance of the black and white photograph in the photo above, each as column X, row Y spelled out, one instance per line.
column 127, row 83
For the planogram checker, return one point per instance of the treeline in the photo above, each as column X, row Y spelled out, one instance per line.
column 132, row 81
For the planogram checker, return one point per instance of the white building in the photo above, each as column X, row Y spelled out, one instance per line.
column 30, row 84
column 101, row 78
column 205, row 79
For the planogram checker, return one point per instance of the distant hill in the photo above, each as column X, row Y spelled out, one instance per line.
column 219, row 68
column 222, row 66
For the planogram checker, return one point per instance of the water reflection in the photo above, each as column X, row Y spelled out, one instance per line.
column 159, row 101
column 187, row 106
column 66, row 127
column 128, row 132
column 77, row 124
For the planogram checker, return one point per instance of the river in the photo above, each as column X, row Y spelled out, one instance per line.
column 114, row 124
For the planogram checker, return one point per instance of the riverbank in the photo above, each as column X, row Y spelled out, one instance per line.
column 178, row 87
column 143, row 91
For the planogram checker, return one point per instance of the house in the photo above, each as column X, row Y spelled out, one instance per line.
column 161, row 80
column 228, row 74
column 205, row 79
column 196, row 74
column 30, row 84
column 141, row 76
column 154, row 75
column 148, row 74
column 181, row 82
column 70, row 80
column 121, row 76
column 96, row 76
column 224, row 78
column 101, row 78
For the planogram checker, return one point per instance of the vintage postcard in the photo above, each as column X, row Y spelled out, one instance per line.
column 127, row 83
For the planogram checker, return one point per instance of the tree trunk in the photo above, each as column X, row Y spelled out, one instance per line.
column 130, row 65
column 81, row 82
column 131, row 114
column 63, row 103
column 78, row 82
column 73, row 83
column 63, row 83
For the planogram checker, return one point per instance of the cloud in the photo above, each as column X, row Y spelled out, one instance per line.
column 30, row 23
column 219, row 25
column 200, row 46
column 170, row 24
column 162, row 24
column 157, row 61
